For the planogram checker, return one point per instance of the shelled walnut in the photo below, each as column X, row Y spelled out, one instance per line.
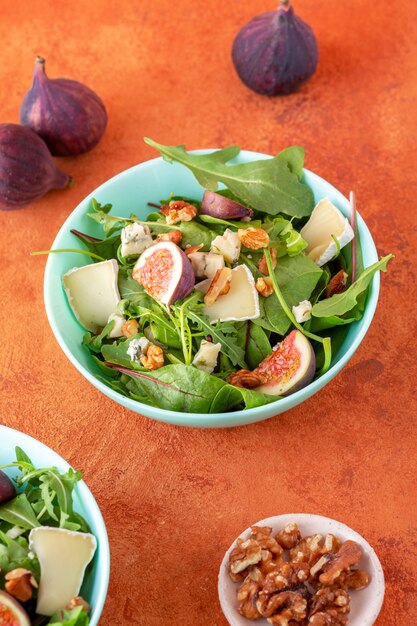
column 292, row 580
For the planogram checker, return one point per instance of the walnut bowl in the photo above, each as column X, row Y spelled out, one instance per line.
column 129, row 192
column 365, row 604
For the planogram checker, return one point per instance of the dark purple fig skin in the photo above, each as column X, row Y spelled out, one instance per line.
column 15, row 608
column 27, row 170
column 7, row 490
column 216, row 205
column 69, row 116
column 275, row 52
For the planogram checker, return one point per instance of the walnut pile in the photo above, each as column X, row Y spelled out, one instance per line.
column 291, row 580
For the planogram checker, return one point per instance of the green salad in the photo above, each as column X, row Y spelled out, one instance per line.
column 225, row 301
column 45, row 547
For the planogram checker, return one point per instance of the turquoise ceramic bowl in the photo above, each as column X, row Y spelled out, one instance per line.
column 129, row 192
column 94, row 588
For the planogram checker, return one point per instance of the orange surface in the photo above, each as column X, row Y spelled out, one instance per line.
column 173, row 499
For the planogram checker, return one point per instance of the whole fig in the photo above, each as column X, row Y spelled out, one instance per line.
column 69, row 116
column 275, row 52
column 27, row 170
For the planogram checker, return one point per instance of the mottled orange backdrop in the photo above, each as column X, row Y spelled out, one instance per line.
column 173, row 498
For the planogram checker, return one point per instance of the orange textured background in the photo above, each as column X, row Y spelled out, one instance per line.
column 173, row 499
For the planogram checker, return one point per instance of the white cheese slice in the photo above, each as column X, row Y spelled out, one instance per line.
column 92, row 293
column 136, row 238
column 240, row 303
column 63, row 556
column 206, row 357
column 228, row 245
column 326, row 222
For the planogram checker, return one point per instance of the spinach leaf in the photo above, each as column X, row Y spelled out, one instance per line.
column 194, row 233
column 105, row 248
column 176, row 387
column 117, row 353
column 294, row 158
column 258, row 346
column 341, row 303
column 230, row 398
column 297, row 276
column 19, row 512
column 266, row 185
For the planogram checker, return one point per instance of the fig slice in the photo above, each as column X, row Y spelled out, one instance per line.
column 216, row 205
column 12, row 612
column 165, row 272
column 290, row 367
column 7, row 490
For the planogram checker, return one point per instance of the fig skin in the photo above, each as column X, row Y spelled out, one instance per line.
column 18, row 613
column 216, row 205
column 27, row 170
column 69, row 116
column 7, row 490
column 182, row 277
column 281, row 362
column 275, row 52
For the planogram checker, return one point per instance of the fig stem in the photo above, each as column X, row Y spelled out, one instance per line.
column 86, row 252
column 326, row 342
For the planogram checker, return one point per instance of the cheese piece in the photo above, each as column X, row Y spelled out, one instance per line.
column 228, row 245
column 136, row 238
column 119, row 321
column 206, row 357
column 63, row 556
column 302, row 312
column 92, row 293
column 326, row 222
column 240, row 303
column 206, row 264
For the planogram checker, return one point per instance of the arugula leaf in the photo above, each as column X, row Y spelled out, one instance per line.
column 294, row 158
column 19, row 512
column 258, row 346
column 283, row 235
column 105, row 248
column 341, row 303
column 229, row 344
column 194, row 233
column 266, row 185
column 74, row 617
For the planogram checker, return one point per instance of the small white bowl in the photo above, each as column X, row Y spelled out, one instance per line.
column 365, row 604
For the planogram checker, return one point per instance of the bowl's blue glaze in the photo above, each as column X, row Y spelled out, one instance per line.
column 94, row 588
column 129, row 192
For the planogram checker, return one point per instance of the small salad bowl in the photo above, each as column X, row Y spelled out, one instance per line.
column 130, row 191
column 94, row 588
column 365, row 604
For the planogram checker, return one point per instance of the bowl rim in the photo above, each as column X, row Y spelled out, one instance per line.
column 182, row 418
column 85, row 495
column 378, row 577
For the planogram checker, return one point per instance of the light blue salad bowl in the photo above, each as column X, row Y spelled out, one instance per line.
column 129, row 192
column 96, row 581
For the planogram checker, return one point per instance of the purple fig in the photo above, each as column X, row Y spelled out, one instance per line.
column 275, row 52
column 290, row 367
column 12, row 612
column 69, row 116
column 7, row 490
column 27, row 170
column 216, row 205
column 165, row 272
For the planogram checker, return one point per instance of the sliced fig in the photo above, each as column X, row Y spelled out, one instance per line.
column 165, row 272
column 7, row 490
column 11, row 612
column 290, row 367
column 216, row 205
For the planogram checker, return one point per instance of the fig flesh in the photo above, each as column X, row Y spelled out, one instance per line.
column 165, row 272
column 69, row 116
column 27, row 170
column 275, row 52
column 290, row 367
column 11, row 612
column 7, row 490
column 216, row 205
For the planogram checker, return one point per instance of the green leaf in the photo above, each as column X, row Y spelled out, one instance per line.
column 284, row 237
column 297, row 277
column 19, row 512
column 117, row 353
column 105, row 248
column 229, row 345
column 74, row 617
column 294, row 158
column 258, row 346
column 231, row 398
column 194, row 233
column 341, row 303
column 266, row 185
